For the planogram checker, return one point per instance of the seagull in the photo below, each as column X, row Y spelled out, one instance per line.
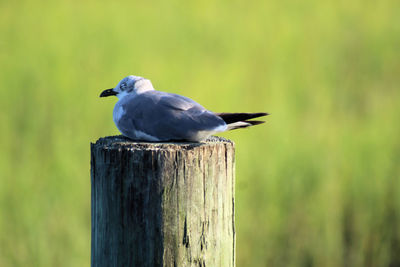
column 145, row 114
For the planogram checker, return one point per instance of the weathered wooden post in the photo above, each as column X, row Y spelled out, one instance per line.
column 162, row 204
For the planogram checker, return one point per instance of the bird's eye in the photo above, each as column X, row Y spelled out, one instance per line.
column 123, row 86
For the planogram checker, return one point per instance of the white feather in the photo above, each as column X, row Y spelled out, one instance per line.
column 144, row 136
column 238, row 124
column 118, row 113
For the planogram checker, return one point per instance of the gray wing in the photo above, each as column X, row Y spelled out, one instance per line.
column 167, row 116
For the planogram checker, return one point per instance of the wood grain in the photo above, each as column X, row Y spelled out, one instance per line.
column 162, row 204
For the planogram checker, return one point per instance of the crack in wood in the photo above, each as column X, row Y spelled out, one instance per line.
column 162, row 204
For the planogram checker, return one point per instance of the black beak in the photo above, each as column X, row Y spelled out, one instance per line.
column 108, row 92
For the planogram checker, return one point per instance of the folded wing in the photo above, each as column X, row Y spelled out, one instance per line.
column 167, row 117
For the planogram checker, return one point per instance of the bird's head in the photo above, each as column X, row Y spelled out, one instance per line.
column 129, row 85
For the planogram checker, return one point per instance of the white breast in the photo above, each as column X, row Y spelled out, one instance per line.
column 144, row 136
column 118, row 112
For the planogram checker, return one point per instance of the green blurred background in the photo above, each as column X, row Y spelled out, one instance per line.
column 318, row 185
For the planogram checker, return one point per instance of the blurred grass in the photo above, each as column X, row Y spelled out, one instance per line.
column 318, row 185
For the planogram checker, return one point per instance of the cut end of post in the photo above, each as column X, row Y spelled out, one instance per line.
column 122, row 141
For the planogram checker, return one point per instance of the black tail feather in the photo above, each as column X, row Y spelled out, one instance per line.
column 235, row 117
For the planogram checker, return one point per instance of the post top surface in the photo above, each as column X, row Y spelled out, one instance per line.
column 120, row 141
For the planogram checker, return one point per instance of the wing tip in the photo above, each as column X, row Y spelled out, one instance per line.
column 255, row 122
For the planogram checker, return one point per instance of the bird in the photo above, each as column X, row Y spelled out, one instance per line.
column 145, row 114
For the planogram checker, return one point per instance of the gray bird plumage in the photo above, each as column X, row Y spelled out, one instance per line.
column 143, row 113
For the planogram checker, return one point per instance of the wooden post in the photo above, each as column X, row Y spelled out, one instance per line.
column 162, row 204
